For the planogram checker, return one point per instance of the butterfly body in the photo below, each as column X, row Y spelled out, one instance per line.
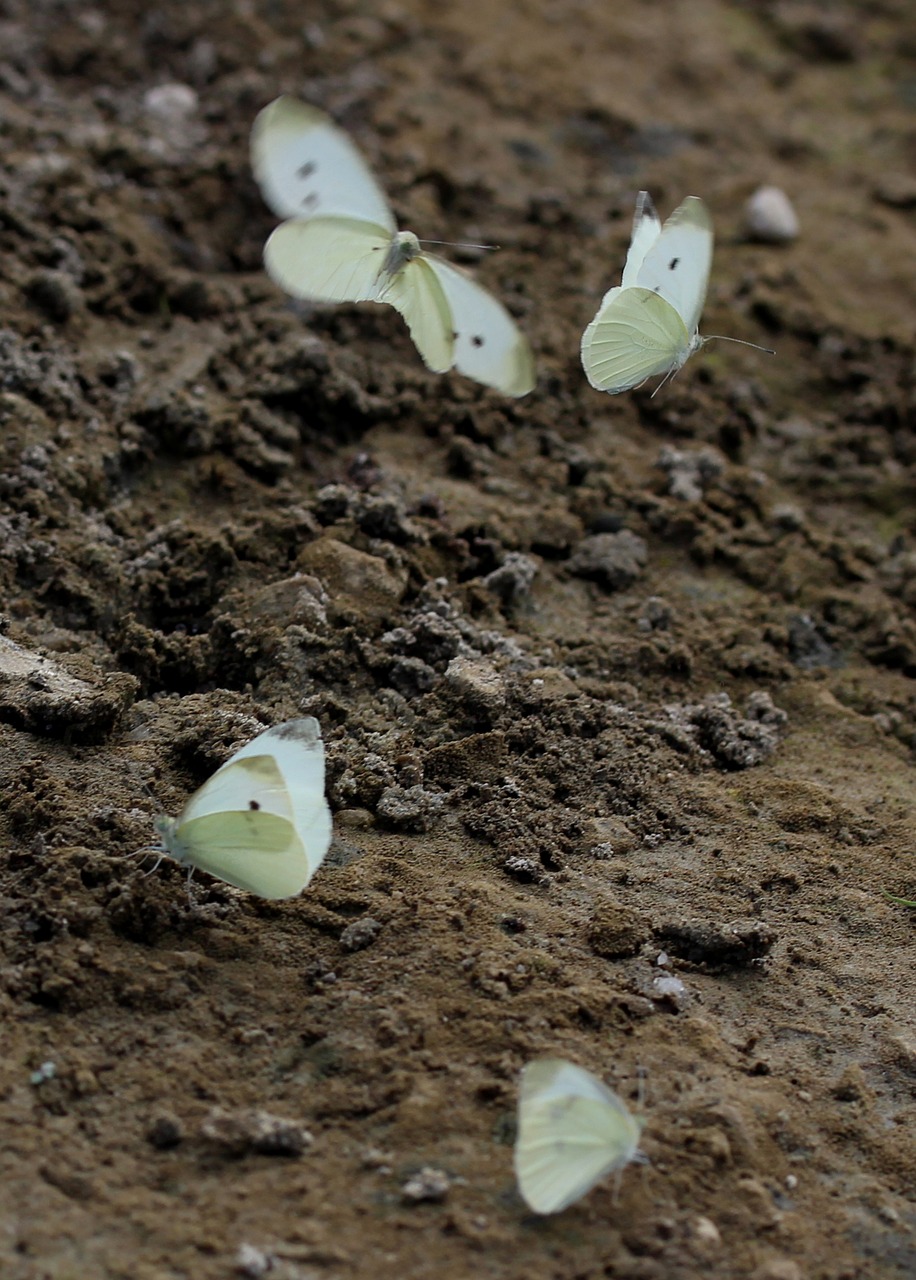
column 340, row 243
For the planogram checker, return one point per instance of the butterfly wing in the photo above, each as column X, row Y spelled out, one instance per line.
column 635, row 335
column 488, row 345
column 646, row 228
column 572, row 1131
column 306, row 166
column 328, row 259
column 676, row 266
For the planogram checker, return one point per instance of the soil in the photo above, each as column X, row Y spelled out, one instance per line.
column 618, row 693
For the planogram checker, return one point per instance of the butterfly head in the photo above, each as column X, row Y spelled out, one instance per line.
column 167, row 831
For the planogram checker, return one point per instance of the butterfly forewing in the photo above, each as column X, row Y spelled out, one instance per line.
column 307, row 167
column 297, row 751
column 488, row 345
column 676, row 266
column 328, row 259
column 252, row 784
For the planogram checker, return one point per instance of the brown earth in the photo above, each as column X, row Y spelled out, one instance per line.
column 551, row 760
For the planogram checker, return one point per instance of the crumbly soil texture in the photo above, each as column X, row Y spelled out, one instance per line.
column 617, row 692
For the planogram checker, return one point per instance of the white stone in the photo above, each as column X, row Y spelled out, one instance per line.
column 171, row 103
column 769, row 216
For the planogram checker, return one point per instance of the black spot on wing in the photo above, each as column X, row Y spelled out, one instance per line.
column 253, row 804
column 306, row 170
column 310, row 201
column 477, row 340
column 673, row 264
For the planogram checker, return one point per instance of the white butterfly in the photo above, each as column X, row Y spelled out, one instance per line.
column 572, row 1130
column 341, row 244
column 648, row 324
column 261, row 822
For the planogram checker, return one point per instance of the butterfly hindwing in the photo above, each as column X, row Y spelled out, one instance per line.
column 635, row 335
column 328, row 259
column 414, row 290
column 251, row 849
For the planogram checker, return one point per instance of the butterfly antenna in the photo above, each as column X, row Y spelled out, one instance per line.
column 460, row 244
column 721, row 337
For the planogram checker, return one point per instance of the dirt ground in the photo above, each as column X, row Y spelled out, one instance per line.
column 618, row 693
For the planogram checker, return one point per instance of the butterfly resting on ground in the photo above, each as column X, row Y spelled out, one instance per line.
column 340, row 243
column 261, row 822
column 572, row 1131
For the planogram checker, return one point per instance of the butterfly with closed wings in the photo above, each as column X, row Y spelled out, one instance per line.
column 649, row 323
column 340, row 243
column 261, row 822
column 572, row 1131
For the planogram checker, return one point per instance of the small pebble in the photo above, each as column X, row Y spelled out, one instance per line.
column 251, row 1262
column 171, row 103
column 428, row 1184
column 769, row 216
column 165, row 1132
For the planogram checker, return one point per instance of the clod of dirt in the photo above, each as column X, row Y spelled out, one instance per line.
column 57, row 294
column 480, row 757
column 409, row 808
column 165, row 1132
column 428, row 1184
column 616, row 931
column 476, row 684
column 736, row 742
column 615, row 560
column 512, row 580
column 690, row 472
column 238, row 1133
column 605, row 837
column 717, row 946
column 353, row 581
column 38, row 695
column 360, row 934
column 525, row 870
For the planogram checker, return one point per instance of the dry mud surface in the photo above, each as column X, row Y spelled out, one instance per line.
column 602, row 681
